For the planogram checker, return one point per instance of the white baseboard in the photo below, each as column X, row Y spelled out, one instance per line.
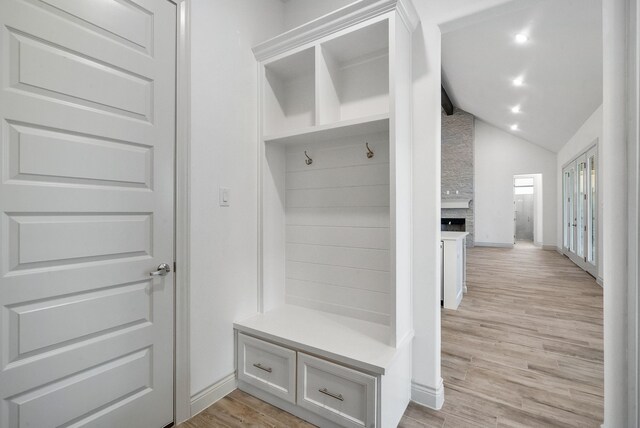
column 600, row 281
column 493, row 244
column 213, row 393
column 427, row 396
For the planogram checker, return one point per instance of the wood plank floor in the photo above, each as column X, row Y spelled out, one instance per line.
column 524, row 349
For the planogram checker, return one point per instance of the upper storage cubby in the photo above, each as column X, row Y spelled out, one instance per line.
column 289, row 93
column 353, row 74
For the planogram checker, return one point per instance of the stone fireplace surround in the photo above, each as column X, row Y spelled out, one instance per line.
column 458, row 167
column 453, row 225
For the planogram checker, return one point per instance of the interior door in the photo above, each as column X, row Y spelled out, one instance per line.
column 87, row 108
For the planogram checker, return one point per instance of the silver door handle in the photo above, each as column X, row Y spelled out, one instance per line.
column 163, row 270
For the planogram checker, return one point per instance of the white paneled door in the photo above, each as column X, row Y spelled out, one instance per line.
column 87, row 116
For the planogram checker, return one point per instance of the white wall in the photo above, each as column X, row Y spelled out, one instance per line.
column 224, row 153
column 616, row 20
column 427, row 387
column 584, row 138
column 499, row 156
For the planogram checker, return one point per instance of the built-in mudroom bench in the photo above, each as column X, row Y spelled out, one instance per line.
column 323, row 367
column 331, row 342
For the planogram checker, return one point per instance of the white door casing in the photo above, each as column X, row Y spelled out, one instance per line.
column 87, row 117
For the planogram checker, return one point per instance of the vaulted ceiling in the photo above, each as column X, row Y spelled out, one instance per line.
column 560, row 65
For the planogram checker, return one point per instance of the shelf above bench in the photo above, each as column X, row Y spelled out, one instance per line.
column 333, row 131
column 349, row 341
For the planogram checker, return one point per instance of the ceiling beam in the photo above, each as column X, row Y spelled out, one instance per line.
column 447, row 105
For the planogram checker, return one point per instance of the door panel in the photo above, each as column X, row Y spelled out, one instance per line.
column 524, row 217
column 592, row 210
column 87, row 122
column 580, row 211
column 81, row 159
column 568, row 214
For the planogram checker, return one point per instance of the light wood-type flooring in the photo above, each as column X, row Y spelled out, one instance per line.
column 524, row 349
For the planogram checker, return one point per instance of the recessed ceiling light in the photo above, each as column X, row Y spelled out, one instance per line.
column 515, row 109
column 518, row 81
column 514, row 127
column 521, row 38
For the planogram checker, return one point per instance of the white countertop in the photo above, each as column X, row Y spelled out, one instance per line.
column 452, row 236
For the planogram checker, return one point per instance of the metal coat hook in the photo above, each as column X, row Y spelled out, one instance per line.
column 308, row 160
column 369, row 151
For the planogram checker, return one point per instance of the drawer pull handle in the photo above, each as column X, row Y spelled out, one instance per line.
column 261, row 367
column 331, row 394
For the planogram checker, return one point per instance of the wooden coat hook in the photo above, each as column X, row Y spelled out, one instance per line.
column 369, row 151
column 308, row 160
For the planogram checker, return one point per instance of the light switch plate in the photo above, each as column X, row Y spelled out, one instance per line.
column 224, row 196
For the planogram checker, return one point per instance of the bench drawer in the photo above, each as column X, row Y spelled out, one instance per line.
column 269, row 367
column 340, row 394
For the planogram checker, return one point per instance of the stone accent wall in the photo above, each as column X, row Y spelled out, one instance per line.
column 457, row 165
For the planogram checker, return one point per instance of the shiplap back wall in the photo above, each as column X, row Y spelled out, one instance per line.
column 337, row 228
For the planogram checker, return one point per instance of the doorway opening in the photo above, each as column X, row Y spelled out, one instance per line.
column 527, row 210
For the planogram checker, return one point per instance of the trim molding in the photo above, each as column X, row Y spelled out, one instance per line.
column 213, row 393
column 600, row 281
column 493, row 244
column 335, row 21
column 182, row 347
column 408, row 14
column 427, row 396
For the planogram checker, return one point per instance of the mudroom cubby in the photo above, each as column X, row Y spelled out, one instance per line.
column 331, row 341
column 289, row 93
column 353, row 74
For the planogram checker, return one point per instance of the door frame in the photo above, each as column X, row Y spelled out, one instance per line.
column 182, row 229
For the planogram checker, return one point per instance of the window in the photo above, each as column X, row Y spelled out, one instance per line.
column 523, row 186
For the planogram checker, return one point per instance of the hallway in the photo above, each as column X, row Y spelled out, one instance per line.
column 525, row 346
